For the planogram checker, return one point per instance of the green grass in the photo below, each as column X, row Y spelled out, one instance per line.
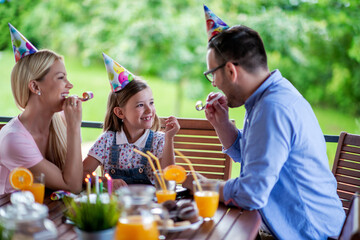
column 94, row 78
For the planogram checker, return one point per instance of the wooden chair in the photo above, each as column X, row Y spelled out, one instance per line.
column 198, row 141
column 346, row 168
column 1, row 125
column 351, row 227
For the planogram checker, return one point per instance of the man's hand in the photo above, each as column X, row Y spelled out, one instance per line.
column 188, row 183
column 217, row 113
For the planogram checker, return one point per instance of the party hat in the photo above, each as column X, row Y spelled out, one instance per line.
column 21, row 46
column 214, row 25
column 119, row 76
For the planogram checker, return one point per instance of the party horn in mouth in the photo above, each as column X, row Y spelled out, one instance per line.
column 86, row 96
column 200, row 106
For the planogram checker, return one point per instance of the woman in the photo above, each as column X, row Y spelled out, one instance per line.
column 45, row 137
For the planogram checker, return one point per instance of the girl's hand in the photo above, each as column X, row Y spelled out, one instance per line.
column 73, row 112
column 118, row 183
column 172, row 126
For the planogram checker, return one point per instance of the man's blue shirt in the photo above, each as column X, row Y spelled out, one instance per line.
column 284, row 166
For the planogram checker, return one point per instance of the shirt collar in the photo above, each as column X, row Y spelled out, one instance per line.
column 250, row 102
column 122, row 139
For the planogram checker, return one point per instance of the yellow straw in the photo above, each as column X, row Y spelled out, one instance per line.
column 159, row 167
column 151, row 164
column 191, row 168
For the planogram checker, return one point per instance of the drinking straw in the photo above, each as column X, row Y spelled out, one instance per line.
column 152, row 166
column 159, row 167
column 191, row 168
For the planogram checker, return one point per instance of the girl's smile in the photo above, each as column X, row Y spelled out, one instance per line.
column 138, row 114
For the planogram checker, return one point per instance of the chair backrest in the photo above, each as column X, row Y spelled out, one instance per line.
column 346, row 167
column 1, row 125
column 198, row 141
column 351, row 227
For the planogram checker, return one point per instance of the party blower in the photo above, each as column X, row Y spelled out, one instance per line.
column 200, row 106
column 86, row 96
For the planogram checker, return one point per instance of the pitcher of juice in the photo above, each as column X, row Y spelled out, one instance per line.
column 141, row 216
column 25, row 219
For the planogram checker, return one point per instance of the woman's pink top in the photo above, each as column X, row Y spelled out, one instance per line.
column 17, row 149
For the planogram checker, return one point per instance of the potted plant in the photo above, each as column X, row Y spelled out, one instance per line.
column 94, row 217
column 5, row 233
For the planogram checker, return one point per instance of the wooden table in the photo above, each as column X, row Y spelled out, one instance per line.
column 228, row 223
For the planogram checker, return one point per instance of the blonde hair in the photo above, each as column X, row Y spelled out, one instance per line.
column 119, row 99
column 34, row 67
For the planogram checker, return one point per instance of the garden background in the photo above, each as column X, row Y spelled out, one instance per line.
column 314, row 43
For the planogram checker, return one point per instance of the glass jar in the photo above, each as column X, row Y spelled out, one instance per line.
column 140, row 216
column 25, row 219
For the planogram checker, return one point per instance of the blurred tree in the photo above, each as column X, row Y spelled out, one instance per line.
column 14, row 12
column 315, row 44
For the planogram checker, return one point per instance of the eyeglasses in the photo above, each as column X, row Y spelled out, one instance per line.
column 209, row 74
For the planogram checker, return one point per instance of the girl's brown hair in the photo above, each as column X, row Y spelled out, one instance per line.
column 119, row 99
column 34, row 67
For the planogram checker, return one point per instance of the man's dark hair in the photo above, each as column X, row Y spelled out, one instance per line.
column 240, row 45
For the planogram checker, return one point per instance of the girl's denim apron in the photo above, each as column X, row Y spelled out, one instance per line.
column 132, row 175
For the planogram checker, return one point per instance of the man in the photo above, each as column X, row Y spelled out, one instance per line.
column 281, row 148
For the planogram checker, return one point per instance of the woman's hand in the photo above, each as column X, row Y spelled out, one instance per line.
column 72, row 107
column 172, row 126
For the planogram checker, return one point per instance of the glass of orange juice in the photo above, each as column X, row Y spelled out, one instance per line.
column 206, row 198
column 37, row 188
column 140, row 215
column 161, row 193
column 136, row 227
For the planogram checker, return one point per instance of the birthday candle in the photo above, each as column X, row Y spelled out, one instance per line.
column 96, row 182
column 109, row 183
column 89, row 177
column 101, row 186
column 88, row 186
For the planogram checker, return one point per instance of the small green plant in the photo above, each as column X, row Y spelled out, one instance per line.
column 91, row 217
column 5, row 234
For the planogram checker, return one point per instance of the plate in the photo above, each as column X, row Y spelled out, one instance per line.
column 194, row 225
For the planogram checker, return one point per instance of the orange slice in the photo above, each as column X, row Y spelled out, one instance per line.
column 176, row 173
column 20, row 178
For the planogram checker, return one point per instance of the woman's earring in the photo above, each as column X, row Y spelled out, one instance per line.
column 39, row 93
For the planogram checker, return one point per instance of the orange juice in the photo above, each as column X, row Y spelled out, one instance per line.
column 164, row 195
column 136, row 228
column 38, row 190
column 207, row 202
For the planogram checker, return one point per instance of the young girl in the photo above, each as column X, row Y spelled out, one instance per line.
column 130, row 122
column 40, row 139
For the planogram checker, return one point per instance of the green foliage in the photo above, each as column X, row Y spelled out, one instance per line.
column 93, row 217
column 14, row 12
column 5, row 234
column 315, row 44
